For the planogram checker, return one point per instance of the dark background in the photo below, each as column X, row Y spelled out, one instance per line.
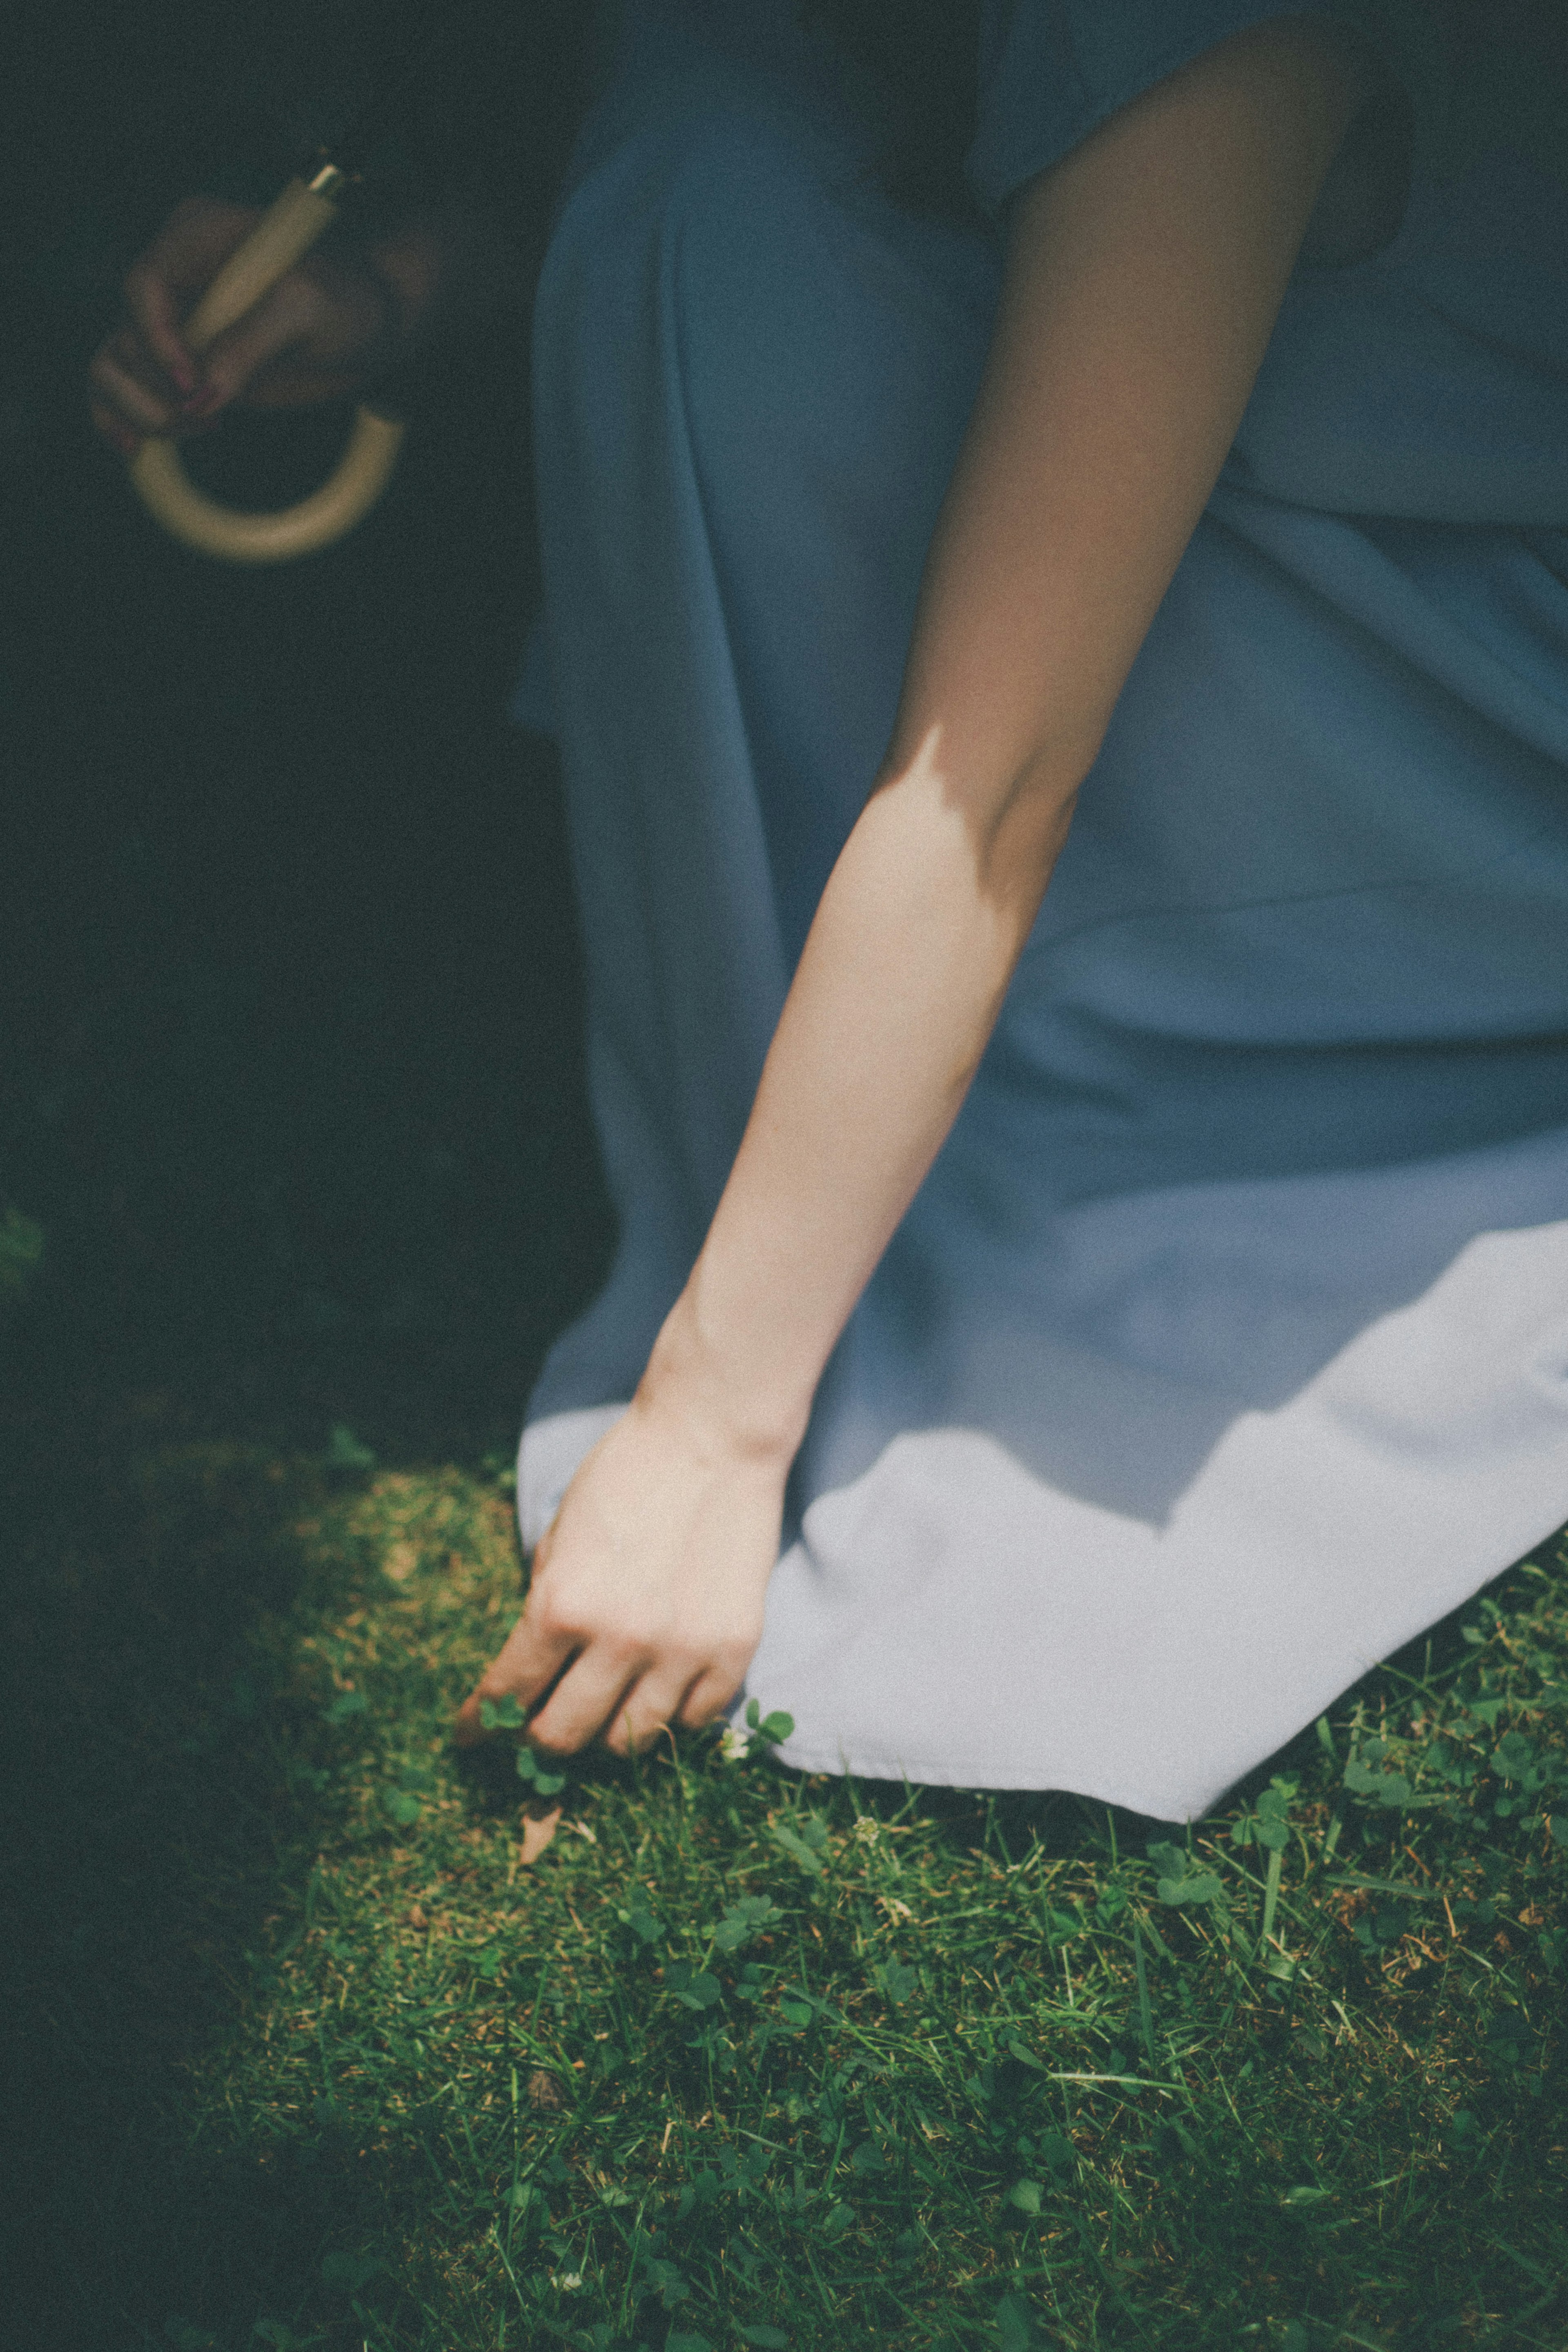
column 290, row 1059
column 288, row 995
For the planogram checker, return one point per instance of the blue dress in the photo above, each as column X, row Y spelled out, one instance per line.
column 1225, row 1346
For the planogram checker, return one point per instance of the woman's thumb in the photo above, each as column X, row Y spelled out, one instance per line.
column 269, row 330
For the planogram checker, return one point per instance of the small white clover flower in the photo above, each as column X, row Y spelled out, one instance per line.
column 565, row 2282
column 735, row 1744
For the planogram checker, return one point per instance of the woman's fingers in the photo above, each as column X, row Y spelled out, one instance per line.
column 161, row 285
column 649, row 1708
column 119, row 376
column 709, row 1696
column 528, row 1662
column 587, row 1702
column 605, row 1694
column 149, row 299
column 146, row 377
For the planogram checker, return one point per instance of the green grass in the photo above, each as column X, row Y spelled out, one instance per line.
column 741, row 2059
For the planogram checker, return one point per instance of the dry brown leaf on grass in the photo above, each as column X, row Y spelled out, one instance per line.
column 537, row 1830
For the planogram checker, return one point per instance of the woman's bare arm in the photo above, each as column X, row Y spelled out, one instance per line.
column 1143, row 277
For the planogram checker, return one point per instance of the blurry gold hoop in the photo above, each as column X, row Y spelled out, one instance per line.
column 286, row 231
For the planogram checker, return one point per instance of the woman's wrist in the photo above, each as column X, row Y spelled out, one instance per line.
column 720, row 1391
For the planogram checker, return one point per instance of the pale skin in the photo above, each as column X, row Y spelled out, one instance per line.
column 1143, row 276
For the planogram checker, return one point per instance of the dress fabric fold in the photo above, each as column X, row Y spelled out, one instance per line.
column 1225, row 1347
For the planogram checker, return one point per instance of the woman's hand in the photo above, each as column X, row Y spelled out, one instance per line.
column 313, row 337
column 647, row 1593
